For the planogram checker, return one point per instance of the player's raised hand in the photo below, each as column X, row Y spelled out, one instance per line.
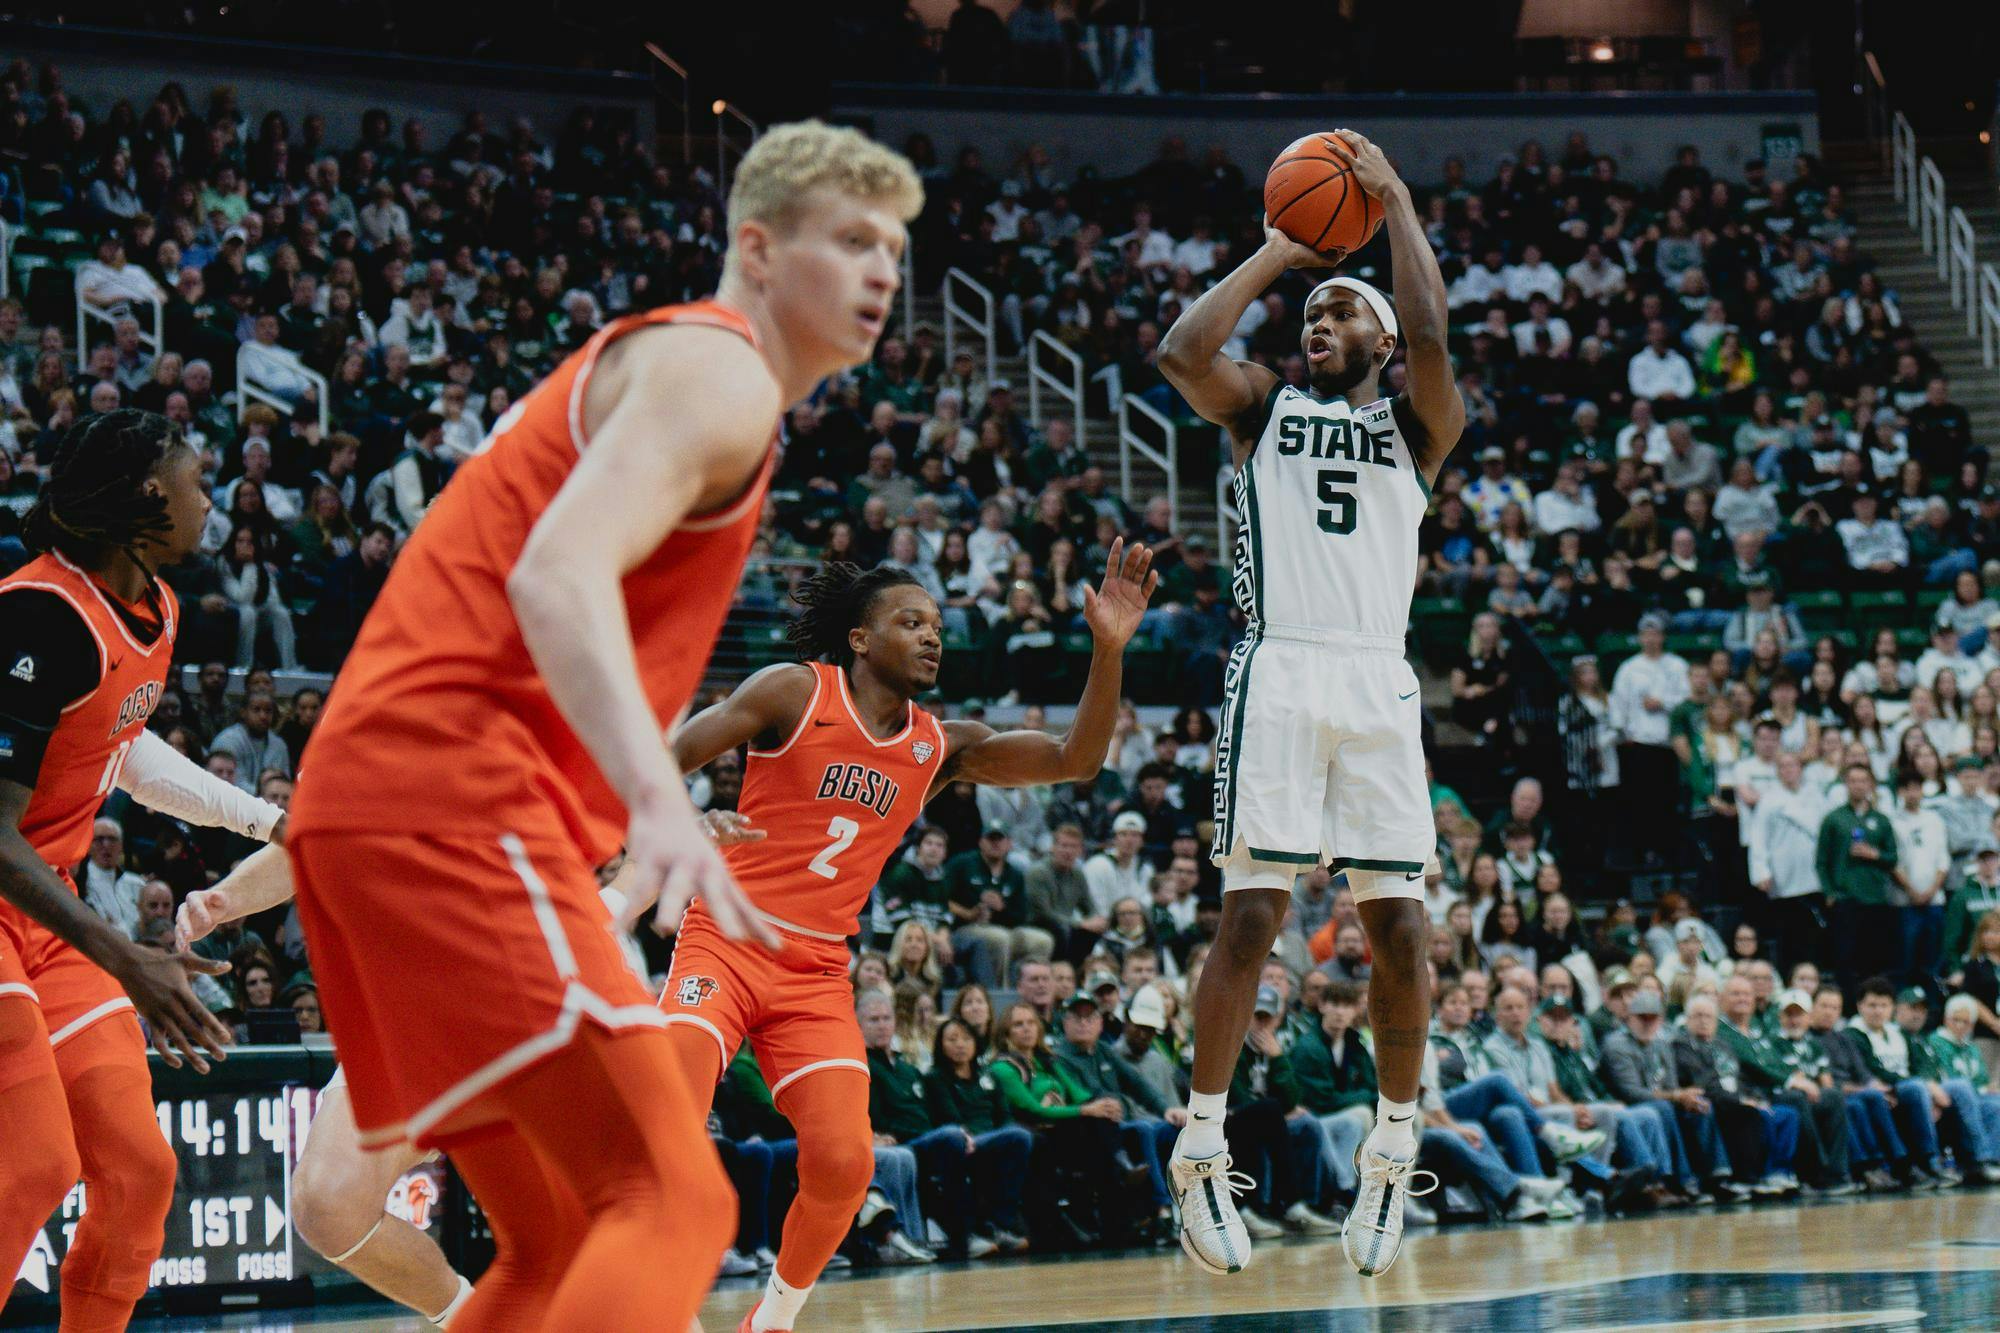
column 669, row 853
column 1369, row 164
column 1113, row 610
column 727, row 828
column 180, row 1024
column 1292, row 252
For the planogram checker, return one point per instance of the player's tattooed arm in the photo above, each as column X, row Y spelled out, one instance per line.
column 763, row 711
column 1420, row 305
column 1033, row 758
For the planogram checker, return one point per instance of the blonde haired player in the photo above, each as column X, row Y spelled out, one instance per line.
column 497, row 732
column 1320, row 761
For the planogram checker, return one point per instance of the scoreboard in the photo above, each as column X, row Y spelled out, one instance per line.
column 237, row 1135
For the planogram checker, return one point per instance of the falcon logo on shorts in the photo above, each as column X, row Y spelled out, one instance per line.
column 923, row 750
column 693, row 990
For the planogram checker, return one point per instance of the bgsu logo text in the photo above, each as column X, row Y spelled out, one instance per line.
column 693, row 990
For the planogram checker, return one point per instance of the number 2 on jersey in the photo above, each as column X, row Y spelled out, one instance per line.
column 1337, row 521
column 843, row 832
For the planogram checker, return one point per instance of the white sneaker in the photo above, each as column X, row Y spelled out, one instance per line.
column 1373, row 1233
column 765, row 1258
column 1569, row 1144
column 874, row 1204
column 978, row 1247
column 1205, row 1191
column 1306, row 1222
column 900, row 1249
column 1527, row 1208
column 1259, row 1226
column 737, row 1265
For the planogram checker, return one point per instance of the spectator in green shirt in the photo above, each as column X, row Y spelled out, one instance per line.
column 1973, row 899
column 1957, row 1060
column 1086, row 1198
column 1148, row 1125
column 913, row 887
column 958, row 1092
column 1821, row 1156
column 1856, row 861
column 1336, row 1077
column 988, row 898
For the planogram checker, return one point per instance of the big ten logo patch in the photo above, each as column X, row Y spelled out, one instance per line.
column 416, row 1194
column 693, row 990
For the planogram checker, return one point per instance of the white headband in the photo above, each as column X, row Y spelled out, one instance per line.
column 1384, row 312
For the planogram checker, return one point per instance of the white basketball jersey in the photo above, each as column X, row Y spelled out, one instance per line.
column 1329, row 502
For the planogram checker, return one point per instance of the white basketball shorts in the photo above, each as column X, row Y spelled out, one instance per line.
column 1320, row 759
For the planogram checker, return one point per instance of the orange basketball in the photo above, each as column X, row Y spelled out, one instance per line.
column 1311, row 196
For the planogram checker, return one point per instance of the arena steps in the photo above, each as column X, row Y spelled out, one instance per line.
column 1884, row 234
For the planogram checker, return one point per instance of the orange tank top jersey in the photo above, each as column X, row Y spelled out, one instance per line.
column 439, row 717
column 81, row 763
column 834, row 803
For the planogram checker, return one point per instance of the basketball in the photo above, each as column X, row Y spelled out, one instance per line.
column 1310, row 195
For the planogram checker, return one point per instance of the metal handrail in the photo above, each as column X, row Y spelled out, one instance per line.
column 725, row 113
column 154, row 338
column 981, row 324
column 248, row 391
column 1038, row 375
column 675, row 67
column 1876, row 100
column 1989, row 314
column 1903, row 163
column 1930, row 210
column 1959, row 252
column 1130, row 442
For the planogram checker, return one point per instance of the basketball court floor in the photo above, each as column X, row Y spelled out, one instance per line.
column 1926, row 1262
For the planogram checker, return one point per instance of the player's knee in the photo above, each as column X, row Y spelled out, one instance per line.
column 332, row 1208
column 36, row 1182
column 839, row 1165
column 1251, row 918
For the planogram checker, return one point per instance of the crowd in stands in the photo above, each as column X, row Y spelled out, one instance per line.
column 1693, row 411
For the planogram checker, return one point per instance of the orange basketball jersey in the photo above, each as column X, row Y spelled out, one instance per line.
column 834, row 803
column 439, row 718
column 81, row 763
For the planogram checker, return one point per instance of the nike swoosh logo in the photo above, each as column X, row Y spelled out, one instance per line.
column 1411, row 695
column 1409, row 875
column 1397, row 1119
column 826, row 724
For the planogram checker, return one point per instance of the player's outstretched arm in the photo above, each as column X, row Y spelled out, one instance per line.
column 766, row 708
column 680, row 419
column 1226, row 392
column 1420, row 304
column 157, row 982
column 1033, row 758
column 260, row 881
column 161, row 778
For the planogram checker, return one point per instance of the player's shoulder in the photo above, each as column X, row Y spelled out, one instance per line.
column 51, row 620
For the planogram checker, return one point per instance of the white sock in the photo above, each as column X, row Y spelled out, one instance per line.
column 1203, row 1136
column 780, row 1306
column 1395, row 1132
column 443, row 1317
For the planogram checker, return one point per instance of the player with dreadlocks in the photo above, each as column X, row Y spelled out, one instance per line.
column 841, row 762
column 86, row 641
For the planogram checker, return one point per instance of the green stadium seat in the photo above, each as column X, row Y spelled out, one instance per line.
column 1928, row 600
column 1820, row 609
column 62, row 238
column 41, row 208
column 1562, row 647
column 1912, row 639
column 1878, row 610
column 1623, row 645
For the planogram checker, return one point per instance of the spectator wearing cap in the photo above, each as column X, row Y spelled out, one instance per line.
column 1024, row 810
column 280, row 502
column 1638, row 1069
column 1884, row 1049
column 1760, row 614
column 1644, row 692
column 987, row 897
column 1121, row 870
column 1965, row 1125
column 1059, row 899
column 1274, row 1137
column 1145, row 1044
column 1494, row 489
column 1878, row 551
column 1640, row 1144
column 1148, row 1122
column 1609, row 1016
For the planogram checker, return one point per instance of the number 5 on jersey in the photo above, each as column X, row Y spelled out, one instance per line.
column 1337, row 521
column 842, row 830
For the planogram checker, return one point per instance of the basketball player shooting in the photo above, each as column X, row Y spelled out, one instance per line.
column 1319, row 759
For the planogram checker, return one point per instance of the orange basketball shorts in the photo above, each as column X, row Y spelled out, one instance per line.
column 74, row 993
column 796, row 1005
column 447, row 964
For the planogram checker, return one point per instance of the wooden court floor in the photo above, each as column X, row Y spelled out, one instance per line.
column 1916, row 1262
